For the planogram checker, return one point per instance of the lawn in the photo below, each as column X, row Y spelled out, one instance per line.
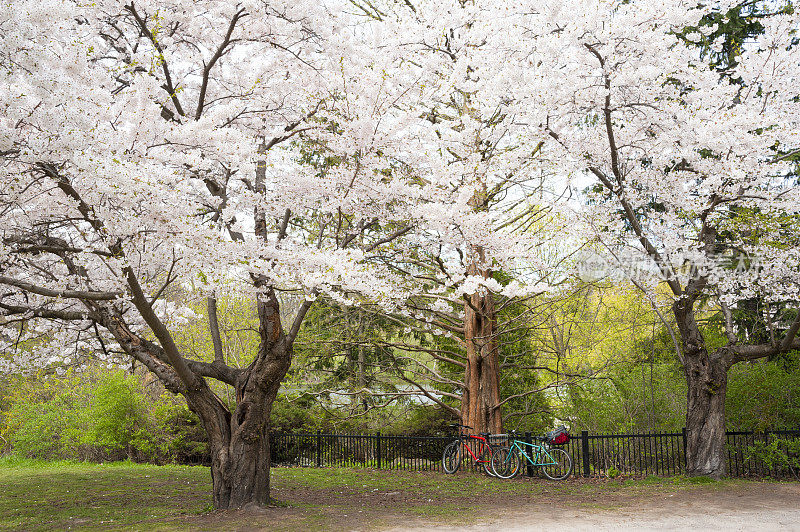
column 61, row 495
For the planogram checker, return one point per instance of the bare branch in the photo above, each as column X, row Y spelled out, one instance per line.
column 207, row 67
column 213, row 325
column 171, row 89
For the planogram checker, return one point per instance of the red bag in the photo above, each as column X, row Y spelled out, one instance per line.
column 559, row 436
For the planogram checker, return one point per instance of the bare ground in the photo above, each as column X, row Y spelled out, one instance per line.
column 757, row 506
column 527, row 504
column 60, row 496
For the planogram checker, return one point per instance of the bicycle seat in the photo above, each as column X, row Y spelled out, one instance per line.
column 484, row 434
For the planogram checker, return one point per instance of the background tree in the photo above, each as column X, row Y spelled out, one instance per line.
column 485, row 240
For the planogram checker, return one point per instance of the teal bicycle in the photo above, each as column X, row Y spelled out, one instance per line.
column 556, row 463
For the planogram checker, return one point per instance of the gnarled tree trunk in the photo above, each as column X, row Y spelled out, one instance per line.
column 707, row 380
column 239, row 441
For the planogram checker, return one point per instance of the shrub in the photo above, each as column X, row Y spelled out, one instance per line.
column 777, row 457
column 99, row 416
column 764, row 394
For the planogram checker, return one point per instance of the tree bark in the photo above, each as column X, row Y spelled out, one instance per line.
column 239, row 441
column 481, row 397
column 706, row 380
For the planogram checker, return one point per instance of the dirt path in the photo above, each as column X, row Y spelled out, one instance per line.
column 761, row 507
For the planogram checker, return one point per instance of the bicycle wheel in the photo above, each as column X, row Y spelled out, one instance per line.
column 557, row 463
column 505, row 462
column 451, row 457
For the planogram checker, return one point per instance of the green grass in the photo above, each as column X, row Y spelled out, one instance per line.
column 57, row 495
column 40, row 495
column 422, row 483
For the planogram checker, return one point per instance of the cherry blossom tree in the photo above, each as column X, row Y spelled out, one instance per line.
column 692, row 168
column 152, row 145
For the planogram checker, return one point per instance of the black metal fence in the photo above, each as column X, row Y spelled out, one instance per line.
column 653, row 453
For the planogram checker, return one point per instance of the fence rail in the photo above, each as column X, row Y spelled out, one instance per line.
column 656, row 453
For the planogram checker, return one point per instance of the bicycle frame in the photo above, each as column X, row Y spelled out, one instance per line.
column 484, row 443
column 536, row 449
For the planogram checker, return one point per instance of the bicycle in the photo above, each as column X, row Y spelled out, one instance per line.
column 453, row 453
column 556, row 463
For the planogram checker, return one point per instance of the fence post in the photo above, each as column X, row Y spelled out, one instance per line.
column 378, row 448
column 319, row 448
column 685, row 459
column 528, row 439
column 585, row 452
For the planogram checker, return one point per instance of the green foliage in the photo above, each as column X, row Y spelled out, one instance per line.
column 98, row 416
column 118, row 413
column 306, row 413
column 298, row 415
column 634, row 397
column 777, row 456
column 764, row 394
column 609, row 334
column 644, row 396
column 344, row 349
column 531, row 410
column 422, row 420
column 643, row 387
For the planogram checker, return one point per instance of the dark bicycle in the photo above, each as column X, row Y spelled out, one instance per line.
column 454, row 454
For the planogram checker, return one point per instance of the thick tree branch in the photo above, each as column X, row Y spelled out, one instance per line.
column 753, row 352
column 388, row 238
column 284, row 224
column 67, row 294
column 50, row 314
column 140, row 350
column 791, row 334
